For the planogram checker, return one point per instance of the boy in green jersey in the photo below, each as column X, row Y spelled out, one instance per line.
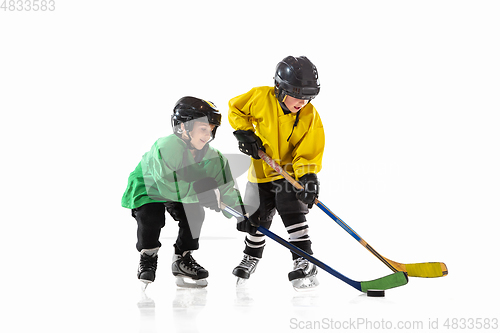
column 181, row 174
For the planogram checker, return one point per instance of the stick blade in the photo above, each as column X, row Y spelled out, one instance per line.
column 427, row 269
column 394, row 280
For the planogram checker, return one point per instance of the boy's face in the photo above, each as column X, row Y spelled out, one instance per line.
column 200, row 135
column 294, row 104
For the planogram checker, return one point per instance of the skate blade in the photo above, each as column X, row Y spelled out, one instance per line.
column 305, row 284
column 145, row 284
column 241, row 282
column 186, row 282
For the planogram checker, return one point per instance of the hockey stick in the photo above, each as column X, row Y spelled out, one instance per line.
column 394, row 280
column 425, row 269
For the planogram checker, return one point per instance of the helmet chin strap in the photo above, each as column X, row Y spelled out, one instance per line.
column 287, row 111
column 281, row 101
column 188, row 141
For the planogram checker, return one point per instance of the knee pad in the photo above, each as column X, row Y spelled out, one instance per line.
column 150, row 215
column 176, row 210
column 286, row 200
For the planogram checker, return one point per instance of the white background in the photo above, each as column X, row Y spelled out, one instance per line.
column 409, row 100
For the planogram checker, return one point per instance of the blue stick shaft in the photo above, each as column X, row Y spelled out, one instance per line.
column 300, row 252
column 296, row 250
column 337, row 219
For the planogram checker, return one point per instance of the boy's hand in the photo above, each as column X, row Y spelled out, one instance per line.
column 249, row 143
column 310, row 192
column 244, row 223
column 208, row 193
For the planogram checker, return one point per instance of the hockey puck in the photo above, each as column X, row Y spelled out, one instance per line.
column 375, row 293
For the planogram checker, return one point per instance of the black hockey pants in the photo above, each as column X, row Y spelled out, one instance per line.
column 268, row 197
column 151, row 218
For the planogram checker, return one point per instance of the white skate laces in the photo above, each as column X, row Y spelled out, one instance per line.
column 188, row 273
column 303, row 276
column 246, row 268
column 249, row 263
column 304, row 265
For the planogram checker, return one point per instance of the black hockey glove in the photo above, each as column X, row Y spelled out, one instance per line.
column 310, row 192
column 247, row 225
column 244, row 223
column 208, row 193
column 249, row 143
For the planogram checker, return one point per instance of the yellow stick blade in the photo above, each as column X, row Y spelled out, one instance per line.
column 427, row 269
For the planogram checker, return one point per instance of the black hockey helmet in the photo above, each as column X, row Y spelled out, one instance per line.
column 190, row 108
column 296, row 77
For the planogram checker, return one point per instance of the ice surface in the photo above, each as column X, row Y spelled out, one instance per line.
column 409, row 102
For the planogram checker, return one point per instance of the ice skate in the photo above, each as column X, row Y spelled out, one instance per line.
column 188, row 273
column 246, row 267
column 303, row 276
column 146, row 272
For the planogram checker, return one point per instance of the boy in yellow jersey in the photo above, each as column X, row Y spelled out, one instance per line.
column 281, row 121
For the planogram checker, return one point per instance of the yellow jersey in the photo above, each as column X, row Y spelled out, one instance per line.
column 297, row 145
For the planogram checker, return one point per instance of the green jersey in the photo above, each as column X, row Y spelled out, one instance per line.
column 167, row 172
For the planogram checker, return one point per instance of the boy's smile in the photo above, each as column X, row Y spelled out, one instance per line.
column 200, row 134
